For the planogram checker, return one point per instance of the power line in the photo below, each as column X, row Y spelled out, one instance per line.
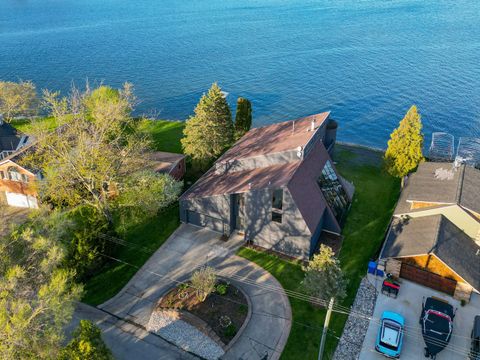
column 338, row 309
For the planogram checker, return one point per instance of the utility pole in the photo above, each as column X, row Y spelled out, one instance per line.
column 325, row 328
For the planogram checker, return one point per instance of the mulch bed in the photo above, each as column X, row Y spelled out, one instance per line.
column 223, row 312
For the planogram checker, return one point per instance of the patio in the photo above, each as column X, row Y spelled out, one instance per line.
column 409, row 305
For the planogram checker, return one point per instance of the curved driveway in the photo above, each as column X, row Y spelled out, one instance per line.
column 188, row 248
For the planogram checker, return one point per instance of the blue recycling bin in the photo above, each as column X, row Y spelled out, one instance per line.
column 372, row 266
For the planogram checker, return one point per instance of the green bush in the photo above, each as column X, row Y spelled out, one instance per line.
column 86, row 344
column 230, row 331
column 242, row 309
column 221, row 288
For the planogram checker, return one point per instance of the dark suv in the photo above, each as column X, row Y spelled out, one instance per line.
column 475, row 348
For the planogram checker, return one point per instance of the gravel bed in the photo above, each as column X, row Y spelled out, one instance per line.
column 184, row 335
column 356, row 328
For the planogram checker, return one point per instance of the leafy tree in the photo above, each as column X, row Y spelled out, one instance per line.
column 94, row 153
column 144, row 193
column 87, row 343
column 243, row 117
column 210, row 131
column 404, row 151
column 324, row 277
column 17, row 99
column 203, row 281
column 36, row 296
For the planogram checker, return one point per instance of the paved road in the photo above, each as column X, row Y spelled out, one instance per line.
column 188, row 248
column 126, row 340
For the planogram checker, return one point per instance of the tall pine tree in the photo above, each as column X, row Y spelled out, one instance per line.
column 243, row 117
column 209, row 132
column 404, row 151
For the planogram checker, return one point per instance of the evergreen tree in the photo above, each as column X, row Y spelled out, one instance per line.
column 243, row 117
column 209, row 132
column 404, row 151
column 324, row 277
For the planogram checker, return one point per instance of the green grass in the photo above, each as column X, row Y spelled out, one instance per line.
column 25, row 125
column 165, row 134
column 147, row 237
column 375, row 197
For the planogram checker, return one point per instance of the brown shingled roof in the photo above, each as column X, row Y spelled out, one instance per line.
column 275, row 138
column 161, row 161
column 212, row 183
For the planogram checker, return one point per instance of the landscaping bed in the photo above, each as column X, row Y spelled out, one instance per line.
column 224, row 311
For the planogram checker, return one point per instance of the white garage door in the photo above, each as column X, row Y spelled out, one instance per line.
column 21, row 200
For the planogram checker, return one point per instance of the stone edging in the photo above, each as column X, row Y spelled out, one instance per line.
column 245, row 322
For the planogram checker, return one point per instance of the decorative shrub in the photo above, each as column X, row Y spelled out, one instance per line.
column 222, row 288
column 242, row 309
column 230, row 331
column 203, row 281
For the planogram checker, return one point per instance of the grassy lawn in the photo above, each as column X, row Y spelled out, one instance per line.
column 25, row 125
column 166, row 135
column 375, row 197
column 147, row 237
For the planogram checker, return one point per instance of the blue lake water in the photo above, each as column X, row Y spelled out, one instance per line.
column 366, row 61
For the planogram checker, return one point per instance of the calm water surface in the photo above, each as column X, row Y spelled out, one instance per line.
column 366, row 61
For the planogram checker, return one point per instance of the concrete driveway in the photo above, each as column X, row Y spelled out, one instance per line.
column 409, row 305
column 188, row 248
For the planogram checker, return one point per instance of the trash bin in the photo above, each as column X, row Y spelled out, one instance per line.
column 372, row 266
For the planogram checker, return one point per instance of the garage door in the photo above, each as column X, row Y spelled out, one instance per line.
column 426, row 278
column 20, row 200
column 203, row 220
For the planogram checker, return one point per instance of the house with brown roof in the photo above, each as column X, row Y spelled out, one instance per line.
column 167, row 163
column 434, row 238
column 277, row 186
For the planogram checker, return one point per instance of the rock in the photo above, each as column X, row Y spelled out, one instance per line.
column 356, row 327
column 187, row 337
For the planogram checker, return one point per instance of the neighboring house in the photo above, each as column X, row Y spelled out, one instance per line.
column 434, row 238
column 277, row 185
column 167, row 163
column 16, row 183
column 10, row 139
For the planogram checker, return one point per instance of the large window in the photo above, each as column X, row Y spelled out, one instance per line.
column 277, row 205
column 333, row 191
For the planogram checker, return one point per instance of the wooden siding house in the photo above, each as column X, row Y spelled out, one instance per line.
column 434, row 237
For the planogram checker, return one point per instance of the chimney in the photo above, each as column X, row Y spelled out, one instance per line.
column 293, row 126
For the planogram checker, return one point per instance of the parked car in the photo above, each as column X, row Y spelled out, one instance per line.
column 475, row 348
column 436, row 320
column 390, row 335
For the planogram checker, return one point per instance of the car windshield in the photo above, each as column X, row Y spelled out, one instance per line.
column 438, row 325
column 390, row 336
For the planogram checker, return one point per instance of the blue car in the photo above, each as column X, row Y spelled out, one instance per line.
column 390, row 335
